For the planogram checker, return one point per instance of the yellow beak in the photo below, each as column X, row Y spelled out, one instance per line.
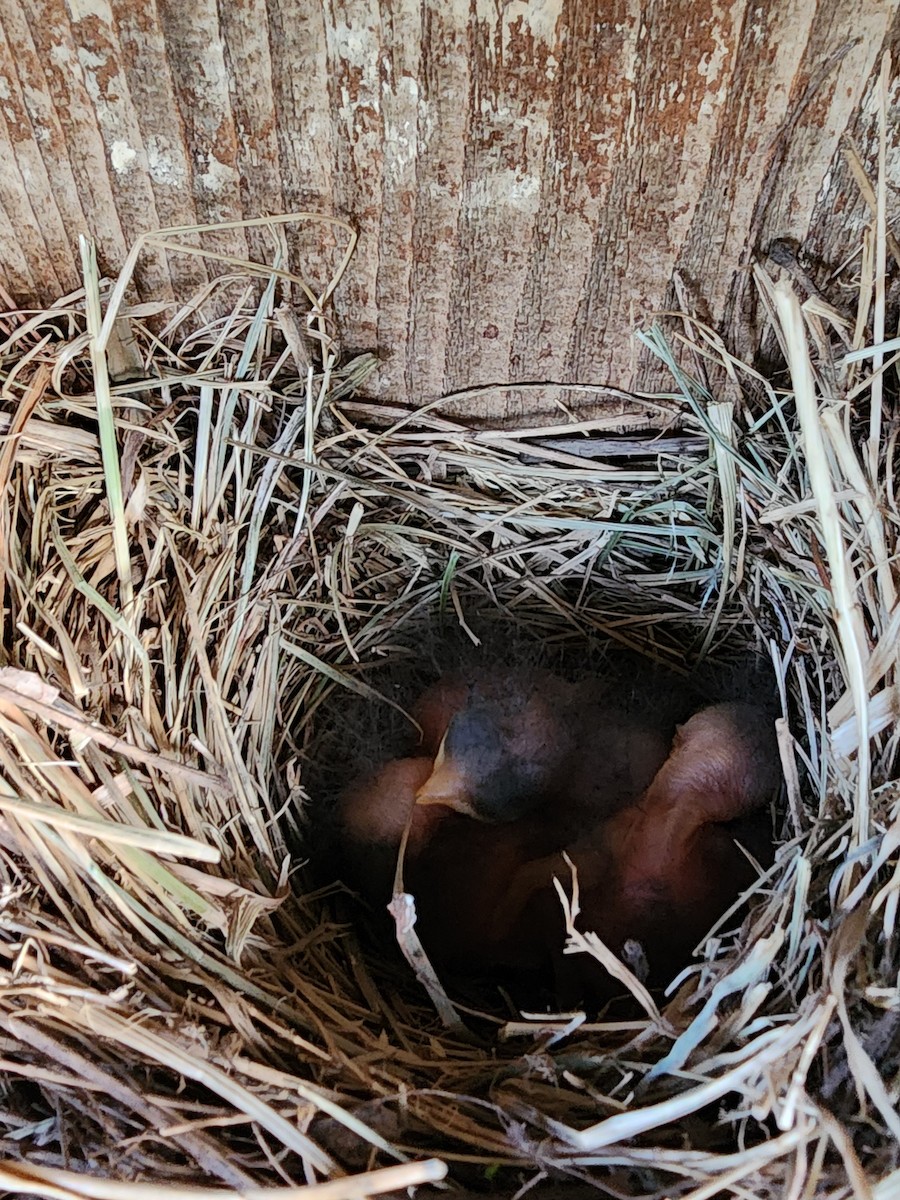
column 446, row 785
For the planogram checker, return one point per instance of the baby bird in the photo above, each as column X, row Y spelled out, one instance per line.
column 457, row 868
column 676, row 865
column 518, row 743
column 500, row 742
column 662, row 870
column 372, row 815
column 515, row 767
column 512, row 765
column 478, row 800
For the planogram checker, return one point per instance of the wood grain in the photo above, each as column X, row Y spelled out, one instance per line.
column 527, row 179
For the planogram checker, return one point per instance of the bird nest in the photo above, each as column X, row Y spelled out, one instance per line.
column 210, row 546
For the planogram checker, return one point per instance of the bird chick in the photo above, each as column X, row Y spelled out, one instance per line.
column 661, row 871
column 515, row 767
column 456, row 868
column 372, row 814
column 519, row 742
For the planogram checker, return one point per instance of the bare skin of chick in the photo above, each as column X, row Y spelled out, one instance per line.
column 457, row 869
column 663, row 870
column 373, row 813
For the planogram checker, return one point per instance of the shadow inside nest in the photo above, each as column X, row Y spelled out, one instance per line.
column 354, row 734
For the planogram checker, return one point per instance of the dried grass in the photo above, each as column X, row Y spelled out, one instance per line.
column 204, row 539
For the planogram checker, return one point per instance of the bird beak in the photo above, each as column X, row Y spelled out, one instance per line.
column 446, row 785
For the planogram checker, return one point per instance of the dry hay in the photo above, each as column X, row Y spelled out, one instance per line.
column 205, row 539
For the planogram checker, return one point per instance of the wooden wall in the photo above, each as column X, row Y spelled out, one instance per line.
column 526, row 177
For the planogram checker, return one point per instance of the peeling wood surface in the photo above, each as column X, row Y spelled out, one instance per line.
column 526, row 178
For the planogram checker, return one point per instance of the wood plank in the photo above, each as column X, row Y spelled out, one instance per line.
column 527, row 179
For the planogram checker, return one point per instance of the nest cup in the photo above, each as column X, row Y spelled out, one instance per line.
column 222, row 570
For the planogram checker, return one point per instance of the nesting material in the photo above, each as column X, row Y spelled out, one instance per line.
column 206, row 542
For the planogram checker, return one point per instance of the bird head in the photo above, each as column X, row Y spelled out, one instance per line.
column 500, row 757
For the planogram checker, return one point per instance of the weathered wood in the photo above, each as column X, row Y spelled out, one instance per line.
column 527, row 178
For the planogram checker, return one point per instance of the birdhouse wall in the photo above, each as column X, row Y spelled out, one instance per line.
column 529, row 180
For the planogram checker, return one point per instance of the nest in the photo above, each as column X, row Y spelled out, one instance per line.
column 209, row 545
